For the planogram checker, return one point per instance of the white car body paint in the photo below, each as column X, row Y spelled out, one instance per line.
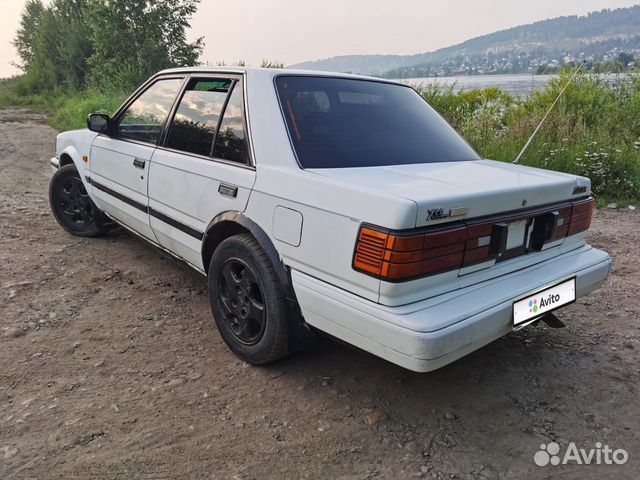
column 185, row 188
column 74, row 144
column 313, row 216
column 111, row 164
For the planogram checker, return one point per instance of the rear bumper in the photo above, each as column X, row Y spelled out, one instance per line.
column 429, row 334
column 55, row 164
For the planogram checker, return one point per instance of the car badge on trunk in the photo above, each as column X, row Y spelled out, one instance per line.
column 440, row 213
column 436, row 214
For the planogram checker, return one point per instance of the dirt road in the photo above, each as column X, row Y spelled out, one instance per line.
column 111, row 368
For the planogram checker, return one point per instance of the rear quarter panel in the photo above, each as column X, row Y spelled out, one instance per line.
column 331, row 218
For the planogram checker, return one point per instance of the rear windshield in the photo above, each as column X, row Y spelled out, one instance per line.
column 338, row 123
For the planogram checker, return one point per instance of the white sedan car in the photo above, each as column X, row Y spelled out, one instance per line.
column 333, row 203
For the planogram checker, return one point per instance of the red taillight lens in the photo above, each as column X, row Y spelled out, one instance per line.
column 399, row 255
column 562, row 226
column 574, row 218
column 478, row 248
column 581, row 215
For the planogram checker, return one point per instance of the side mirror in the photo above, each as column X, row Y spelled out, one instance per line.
column 99, row 122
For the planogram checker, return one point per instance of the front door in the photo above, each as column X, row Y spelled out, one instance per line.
column 119, row 163
column 203, row 167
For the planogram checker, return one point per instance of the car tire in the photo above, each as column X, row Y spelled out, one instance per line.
column 72, row 207
column 248, row 301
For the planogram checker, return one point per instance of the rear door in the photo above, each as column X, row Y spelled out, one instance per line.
column 119, row 163
column 203, row 166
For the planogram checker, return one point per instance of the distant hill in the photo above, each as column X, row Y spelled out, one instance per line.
column 598, row 36
column 362, row 64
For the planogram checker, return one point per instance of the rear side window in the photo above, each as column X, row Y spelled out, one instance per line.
column 339, row 123
column 231, row 141
column 194, row 125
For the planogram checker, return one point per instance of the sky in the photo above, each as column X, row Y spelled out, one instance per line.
column 292, row 31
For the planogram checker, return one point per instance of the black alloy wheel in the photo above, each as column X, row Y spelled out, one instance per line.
column 243, row 301
column 247, row 300
column 75, row 203
column 72, row 206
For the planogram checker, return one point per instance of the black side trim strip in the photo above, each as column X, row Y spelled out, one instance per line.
column 176, row 224
column 119, row 196
column 154, row 213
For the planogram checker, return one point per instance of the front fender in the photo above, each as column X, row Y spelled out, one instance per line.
column 74, row 146
column 71, row 155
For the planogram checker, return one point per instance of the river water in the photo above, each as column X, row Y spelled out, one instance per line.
column 516, row 84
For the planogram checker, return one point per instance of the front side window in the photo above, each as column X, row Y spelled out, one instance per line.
column 194, row 126
column 144, row 118
column 231, row 141
column 340, row 123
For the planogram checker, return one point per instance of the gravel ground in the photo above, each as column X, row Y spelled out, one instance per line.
column 111, row 368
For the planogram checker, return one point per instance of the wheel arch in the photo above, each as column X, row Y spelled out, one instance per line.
column 70, row 156
column 230, row 223
column 65, row 159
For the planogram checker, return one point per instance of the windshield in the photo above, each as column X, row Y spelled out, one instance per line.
column 339, row 123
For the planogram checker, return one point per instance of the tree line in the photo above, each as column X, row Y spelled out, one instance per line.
column 110, row 45
column 623, row 62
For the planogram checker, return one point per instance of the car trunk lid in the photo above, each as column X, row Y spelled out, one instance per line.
column 461, row 190
column 475, row 219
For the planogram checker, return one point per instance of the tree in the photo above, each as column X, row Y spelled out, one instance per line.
column 45, row 71
column 624, row 58
column 58, row 48
column 74, row 48
column 25, row 38
column 112, row 44
column 133, row 39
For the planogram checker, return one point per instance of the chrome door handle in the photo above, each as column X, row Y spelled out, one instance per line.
column 138, row 163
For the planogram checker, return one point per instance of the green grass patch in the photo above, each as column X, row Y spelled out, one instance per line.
column 72, row 114
column 67, row 110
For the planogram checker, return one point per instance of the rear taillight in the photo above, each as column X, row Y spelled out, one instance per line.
column 404, row 255
column 401, row 256
column 574, row 218
column 581, row 215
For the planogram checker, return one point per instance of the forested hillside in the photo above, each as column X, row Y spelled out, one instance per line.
column 598, row 37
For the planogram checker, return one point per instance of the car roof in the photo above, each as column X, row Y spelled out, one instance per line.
column 274, row 72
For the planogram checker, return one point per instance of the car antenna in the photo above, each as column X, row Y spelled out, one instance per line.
column 535, row 132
